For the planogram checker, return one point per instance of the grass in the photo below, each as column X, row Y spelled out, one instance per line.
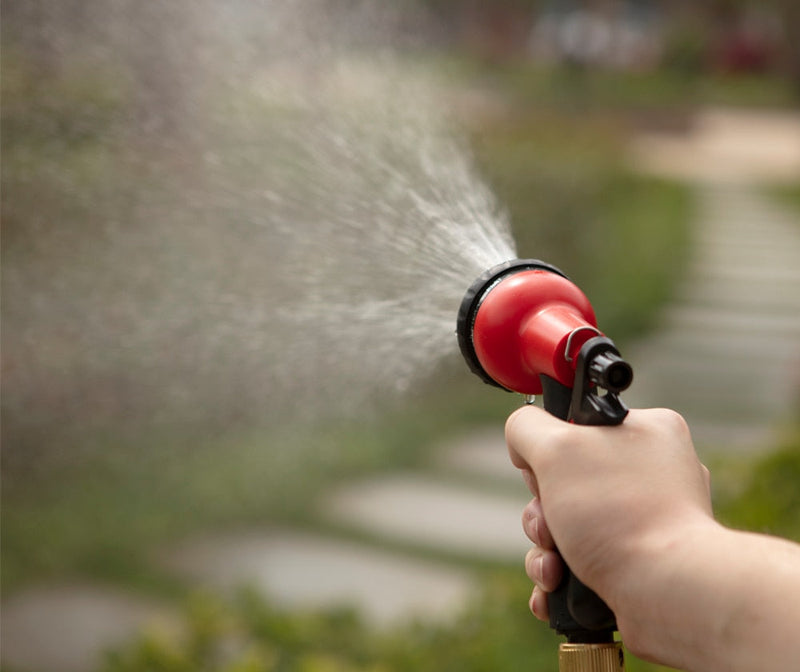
column 768, row 499
column 589, row 91
column 787, row 194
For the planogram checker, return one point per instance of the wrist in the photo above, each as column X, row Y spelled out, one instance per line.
column 657, row 581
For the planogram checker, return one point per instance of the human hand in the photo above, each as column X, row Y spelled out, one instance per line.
column 629, row 509
column 606, row 497
column 543, row 564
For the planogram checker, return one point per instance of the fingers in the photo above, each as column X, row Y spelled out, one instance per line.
column 545, row 568
column 532, row 433
column 535, row 525
column 543, row 564
column 530, row 480
column 706, row 478
column 518, row 431
column 522, row 429
column 538, row 604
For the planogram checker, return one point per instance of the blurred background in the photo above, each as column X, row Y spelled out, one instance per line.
column 237, row 433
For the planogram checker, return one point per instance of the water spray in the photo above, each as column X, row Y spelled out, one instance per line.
column 525, row 327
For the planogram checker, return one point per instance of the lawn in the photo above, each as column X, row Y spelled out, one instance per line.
column 787, row 194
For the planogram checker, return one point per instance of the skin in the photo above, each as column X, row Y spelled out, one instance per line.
column 629, row 509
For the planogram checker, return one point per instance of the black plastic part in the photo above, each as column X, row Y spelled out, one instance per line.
column 556, row 398
column 472, row 301
column 610, row 371
column 599, row 364
column 575, row 609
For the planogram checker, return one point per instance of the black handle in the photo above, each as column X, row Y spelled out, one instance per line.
column 576, row 611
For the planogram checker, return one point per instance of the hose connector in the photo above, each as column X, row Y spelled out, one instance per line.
column 591, row 657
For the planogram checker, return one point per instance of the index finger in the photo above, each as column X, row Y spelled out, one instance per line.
column 530, row 434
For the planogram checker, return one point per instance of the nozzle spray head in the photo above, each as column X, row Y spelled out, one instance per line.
column 525, row 327
column 521, row 319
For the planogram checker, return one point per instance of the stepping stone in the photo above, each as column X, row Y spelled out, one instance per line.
column 726, row 146
column 698, row 319
column 69, row 628
column 482, row 454
column 424, row 512
column 305, row 571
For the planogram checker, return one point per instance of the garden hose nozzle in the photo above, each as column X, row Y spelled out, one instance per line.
column 525, row 327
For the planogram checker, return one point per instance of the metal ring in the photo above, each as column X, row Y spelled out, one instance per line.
column 575, row 331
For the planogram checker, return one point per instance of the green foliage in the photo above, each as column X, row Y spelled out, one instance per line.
column 770, row 499
column 496, row 634
column 249, row 633
column 788, row 194
column 66, row 107
column 622, row 237
column 634, row 94
column 643, row 239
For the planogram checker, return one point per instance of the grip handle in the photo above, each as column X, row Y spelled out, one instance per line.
column 576, row 611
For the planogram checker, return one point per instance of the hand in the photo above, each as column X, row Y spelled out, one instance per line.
column 604, row 495
column 629, row 509
column 543, row 564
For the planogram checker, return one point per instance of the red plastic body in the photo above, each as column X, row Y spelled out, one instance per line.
column 523, row 325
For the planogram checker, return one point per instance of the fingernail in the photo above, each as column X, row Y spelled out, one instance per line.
column 538, row 604
column 538, row 569
column 536, row 539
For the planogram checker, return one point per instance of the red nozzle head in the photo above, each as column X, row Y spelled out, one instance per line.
column 522, row 319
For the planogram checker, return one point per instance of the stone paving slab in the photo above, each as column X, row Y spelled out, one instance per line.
column 308, row 571
column 691, row 319
column 482, row 453
column 426, row 512
column 68, row 628
column 726, row 146
column 755, row 302
column 739, row 347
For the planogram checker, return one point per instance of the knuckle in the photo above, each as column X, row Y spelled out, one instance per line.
column 674, row 422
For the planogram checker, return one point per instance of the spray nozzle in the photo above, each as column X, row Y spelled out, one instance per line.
column 524, row 319
column 609, row 371
column 525, row 327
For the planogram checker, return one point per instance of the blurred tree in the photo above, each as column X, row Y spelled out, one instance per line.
column 496, row 30
column 752, row 35
column 789, row 13
column 42, row 30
